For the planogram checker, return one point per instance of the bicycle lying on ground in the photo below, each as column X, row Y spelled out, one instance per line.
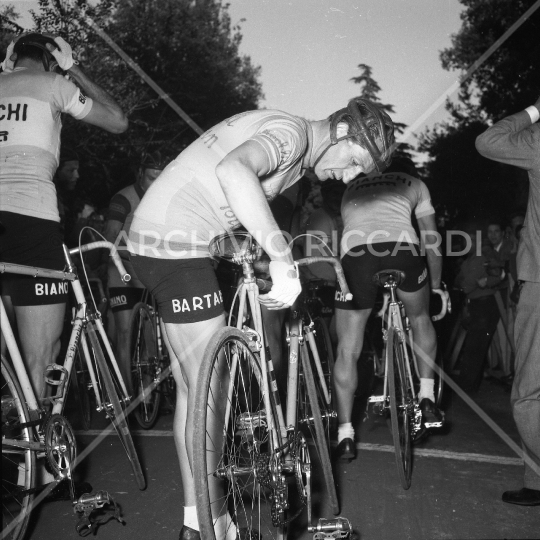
column 252, row 464
column 151, row 374
column 34, row 430
column 401, row 376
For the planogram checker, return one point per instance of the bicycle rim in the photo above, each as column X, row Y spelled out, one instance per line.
column 400, row 401
column 18, row 465
column 231, row 457
column 115, row 411
column 144, row 365
column 315, row 424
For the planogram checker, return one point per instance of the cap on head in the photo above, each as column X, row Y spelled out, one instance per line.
column 34, row 45
column 370, row 126
column 154, row 160
column 68, row 154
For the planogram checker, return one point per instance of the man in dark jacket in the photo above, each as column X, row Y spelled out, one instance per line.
column 516, row 140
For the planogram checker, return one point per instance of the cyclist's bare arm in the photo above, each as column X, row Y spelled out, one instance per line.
column 239, row 174
column 429, row 242
column 105, row 112
column 112, row 230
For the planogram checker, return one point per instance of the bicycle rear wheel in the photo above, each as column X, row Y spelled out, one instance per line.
column 400, row 404
column 314, row 421
column 114, row 406
column 144, row 365
column 233, row 449
column 18, row 464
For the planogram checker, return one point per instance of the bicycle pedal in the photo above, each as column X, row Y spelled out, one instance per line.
column 332, row 528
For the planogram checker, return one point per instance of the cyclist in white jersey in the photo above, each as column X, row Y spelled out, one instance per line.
column 378, row 235
column 33, row 95
column 223, row 180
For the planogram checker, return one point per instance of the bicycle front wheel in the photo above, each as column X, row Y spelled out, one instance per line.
column 115, row 409
column 233, row 448
column 18, row 464
column 400, row 404
column 144, row 365
column 314, row 420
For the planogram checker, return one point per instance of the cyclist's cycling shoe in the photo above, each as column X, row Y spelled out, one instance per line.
column 186, row 533
column 346, row 450
column 432, row 417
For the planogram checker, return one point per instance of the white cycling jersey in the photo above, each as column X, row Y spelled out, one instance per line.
column 31, row 103
column 185, row 207
column 378, row 208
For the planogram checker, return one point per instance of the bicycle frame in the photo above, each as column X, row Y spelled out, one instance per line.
column 80, row 319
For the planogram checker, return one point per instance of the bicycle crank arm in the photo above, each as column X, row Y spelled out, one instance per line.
column 332, row 528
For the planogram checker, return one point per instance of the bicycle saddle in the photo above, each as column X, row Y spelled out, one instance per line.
column 235, row 247
column 384, row 276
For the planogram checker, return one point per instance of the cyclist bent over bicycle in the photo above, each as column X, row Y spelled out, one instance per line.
column 223, row 180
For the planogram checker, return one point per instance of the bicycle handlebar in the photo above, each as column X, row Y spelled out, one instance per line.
column 446, row 304
column 334, row 261
column 113, row 253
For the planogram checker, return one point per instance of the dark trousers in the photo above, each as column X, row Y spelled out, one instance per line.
column 484, row 316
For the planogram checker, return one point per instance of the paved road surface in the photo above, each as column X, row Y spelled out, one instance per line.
column 456, row 492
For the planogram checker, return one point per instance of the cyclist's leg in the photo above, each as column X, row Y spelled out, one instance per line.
column 40, row 328
column 425, row 339
column 350, row 325
column 187, row 343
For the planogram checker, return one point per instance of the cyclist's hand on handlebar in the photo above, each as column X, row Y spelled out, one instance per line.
column 286, row 286
column 446, row 303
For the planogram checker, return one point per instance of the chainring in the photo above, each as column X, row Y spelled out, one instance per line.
column 60, row 446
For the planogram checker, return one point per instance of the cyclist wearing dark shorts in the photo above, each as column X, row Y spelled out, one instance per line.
column 378, row 234
column 124, row 296
column 220, row 182
column 33, row 94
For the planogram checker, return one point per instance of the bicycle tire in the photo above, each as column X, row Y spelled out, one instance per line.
column 316, row 429
column 144, row 365
column 114, row 410
column 237, row 457
column 16, row 506
column 80, row 380
column 439, row 381
column 400, row 401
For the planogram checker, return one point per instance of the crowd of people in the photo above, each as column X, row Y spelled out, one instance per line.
column 242, row 173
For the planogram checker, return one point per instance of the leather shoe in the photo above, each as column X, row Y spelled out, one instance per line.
column 523, row 497
column 346, row 450
column 187, row 533
column 431, row 415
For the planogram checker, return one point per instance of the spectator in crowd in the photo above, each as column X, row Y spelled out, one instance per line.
column 478, row 285
column 124, row 296
column 515, row 140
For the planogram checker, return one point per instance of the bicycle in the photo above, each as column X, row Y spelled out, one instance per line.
column 243, row 442
column 401, row 374
column 151, row 373
column 31, row 432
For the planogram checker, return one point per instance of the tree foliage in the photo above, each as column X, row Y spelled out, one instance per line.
column 467, row 184
column 190, row 48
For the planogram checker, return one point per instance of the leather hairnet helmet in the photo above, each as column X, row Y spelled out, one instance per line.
column 39, row 41
column 370, row 126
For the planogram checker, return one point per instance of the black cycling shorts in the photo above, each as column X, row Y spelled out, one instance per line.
column 124, row 298
column 362, row 262
column 186, row 290
column 36, row 242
